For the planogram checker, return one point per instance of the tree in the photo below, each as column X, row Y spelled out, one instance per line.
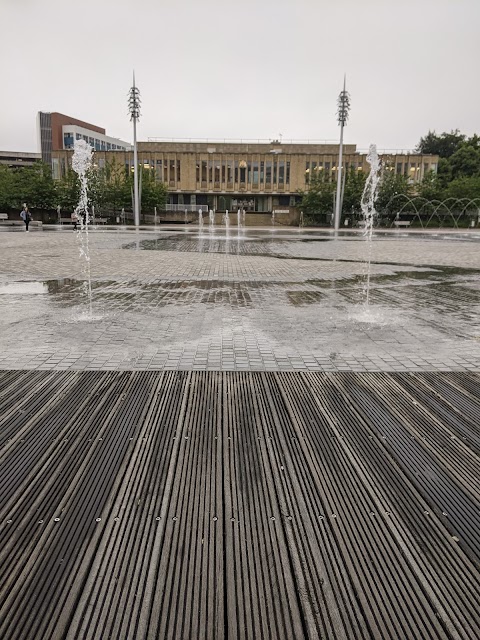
column 352, row 195
column 465, row 161
column 391, row 184
column 318, row 198
column 6, row 188
column 464, row 187
column 443, row 145
column 68, row 190
column 431, row 187
column 154, row 194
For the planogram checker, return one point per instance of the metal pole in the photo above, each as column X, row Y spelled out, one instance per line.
column 135, row 174
column 343, row 108
column 338, row 199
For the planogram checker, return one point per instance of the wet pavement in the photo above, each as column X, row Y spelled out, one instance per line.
column 271, row 299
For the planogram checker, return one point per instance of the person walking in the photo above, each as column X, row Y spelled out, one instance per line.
column 26, row 216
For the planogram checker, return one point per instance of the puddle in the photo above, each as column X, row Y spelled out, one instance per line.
column 23, row 288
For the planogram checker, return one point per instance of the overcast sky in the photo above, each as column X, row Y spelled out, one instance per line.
column 242, row 69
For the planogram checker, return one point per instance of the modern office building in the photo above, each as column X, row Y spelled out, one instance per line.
column 57, row 131
column 258, row 176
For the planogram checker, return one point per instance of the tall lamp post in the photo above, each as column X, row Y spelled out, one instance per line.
column 342, row 114
column 134, row 110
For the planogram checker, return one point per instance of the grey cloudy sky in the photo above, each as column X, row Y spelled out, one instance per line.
column 242, row 69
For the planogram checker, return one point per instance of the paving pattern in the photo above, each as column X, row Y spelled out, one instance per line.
column 256, row 300
column 239, row 505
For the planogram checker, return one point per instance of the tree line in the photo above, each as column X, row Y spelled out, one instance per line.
column 457, row 176
column 110, row 189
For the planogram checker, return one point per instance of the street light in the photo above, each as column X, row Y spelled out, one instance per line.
column 134, row 110
column 342, row 115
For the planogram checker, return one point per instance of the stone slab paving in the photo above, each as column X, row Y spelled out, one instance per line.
column 275, row 299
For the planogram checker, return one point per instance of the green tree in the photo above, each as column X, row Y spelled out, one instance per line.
column 7, row 189
column 352, row 195
column 443, row 145
column 154, row 193
column 464, row 187
column 466, row 160
column 431, row 187
column 33, row 185
column 68, row 190
column 318, row 198
column 391, row 185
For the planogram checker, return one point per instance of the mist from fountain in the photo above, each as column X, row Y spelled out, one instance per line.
column 81, row 162
column 200, row 219
column 368, row 209
column 239, row 218
column 211, row 217
column 226, row 220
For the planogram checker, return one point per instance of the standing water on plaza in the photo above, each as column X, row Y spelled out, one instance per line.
column 368, row 209
column 81, row 162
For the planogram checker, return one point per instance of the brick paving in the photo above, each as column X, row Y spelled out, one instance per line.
column 263, row 300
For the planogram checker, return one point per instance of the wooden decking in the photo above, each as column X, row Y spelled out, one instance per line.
column 239, row 505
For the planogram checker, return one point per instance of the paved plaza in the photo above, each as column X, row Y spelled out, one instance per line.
column 251, row 299
column 224, row 440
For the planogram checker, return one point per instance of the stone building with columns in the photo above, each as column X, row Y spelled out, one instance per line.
column 257, row 176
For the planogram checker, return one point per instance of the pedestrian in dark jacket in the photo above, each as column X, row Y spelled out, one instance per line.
column 26, row 216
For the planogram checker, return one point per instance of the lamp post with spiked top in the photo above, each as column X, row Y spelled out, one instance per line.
column 342, row 115
column 134, row 110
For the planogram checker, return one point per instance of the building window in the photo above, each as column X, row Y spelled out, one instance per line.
column 197, row 171
column 268, row 172
column 274, row 172
column 399, row 168
column 224, row 166
column 109, row 146
column 229, row 171
column 78, row 136
column 172, row 170
column 68, row 141
column 281, row 172
column 262, row 172
column 287, row 180
column 178, row 169
column 204, row 170
column 217, row 171
column 97, row 145
column 255, row 172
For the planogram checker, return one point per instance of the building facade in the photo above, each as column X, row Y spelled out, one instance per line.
column 57, row 131
column 257, row 177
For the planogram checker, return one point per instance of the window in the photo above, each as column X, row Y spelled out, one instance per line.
column 235, row 170
column 109, row 146
column 268, row 172
column 103, row 145
column 217, row 171
column 287, row 179
column 68, row 140
column 262, row 172
column 78, row 136
column 178, row 170
column 274, row 172
column 224, row 167
column 172, row 170
column 204, row 170
column 399, row 168
column 255, row 172
column 91, row 142
column 210, row 170
column 97, row 145
column 281, row 172
column 307, row 172
column 197, row 171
